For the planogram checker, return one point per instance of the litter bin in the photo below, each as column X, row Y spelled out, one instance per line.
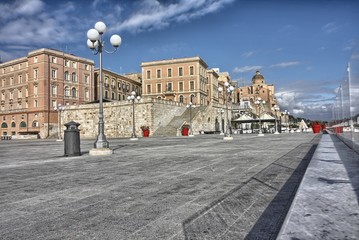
column 72, row 139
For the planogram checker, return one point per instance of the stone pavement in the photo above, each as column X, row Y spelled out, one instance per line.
column 153, row 188
column 326, row 203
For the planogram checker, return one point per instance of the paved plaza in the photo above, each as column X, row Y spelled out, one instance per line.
column 198, row 187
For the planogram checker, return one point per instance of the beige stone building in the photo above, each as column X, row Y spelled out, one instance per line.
column 32, row 86
column 247, row 95
column 117, row 87
column 182, row 80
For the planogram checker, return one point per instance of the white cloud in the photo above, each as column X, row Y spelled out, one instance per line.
column 246, row 69
column 330, row 27
column 284, row 64
column 156, row 15
column 247, row 54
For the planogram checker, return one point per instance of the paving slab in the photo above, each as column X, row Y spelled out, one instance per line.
column 155, row 188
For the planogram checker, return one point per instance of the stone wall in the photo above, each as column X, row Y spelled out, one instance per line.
column 118, row 117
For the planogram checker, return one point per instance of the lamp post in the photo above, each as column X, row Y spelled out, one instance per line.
column 132, row 99
column 96, row 44
column 259, row 102
column 229, row 90
column 190, row 106
column 59, row 110
column 221, row 111
column 275, row 108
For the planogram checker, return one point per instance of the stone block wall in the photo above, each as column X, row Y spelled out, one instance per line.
column 118, row 117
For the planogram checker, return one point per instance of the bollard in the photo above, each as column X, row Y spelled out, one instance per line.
column 72, row 139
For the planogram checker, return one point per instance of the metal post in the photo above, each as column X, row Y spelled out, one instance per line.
column 133, row 120
column 190, row 119
column 101, row 141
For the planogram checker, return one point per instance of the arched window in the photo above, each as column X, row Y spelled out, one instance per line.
column 35, row 123
column 73, row 77
column 67, row 91
column 192, row 98
column 23, row 124
column 181, row 99
column 4, row 125
column 73, row 92
column 13, row 124
column 67, row 76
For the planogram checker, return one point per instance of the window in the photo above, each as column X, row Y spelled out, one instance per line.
column 36, row 60
column 67, row 63
column 87, row 67
column 36, row 72
column 169, row 72
column 53, row 73
column 158, row 73
column 13, row 124
column 4, row 125
column 87, row 94
column 74, row 65
column 148, row 88
column 11, row 95
column 36, row 103
column 180, row 71
column 53, row 59
column 12, row 68
column 180, row 86
column 20, row 79
column 113, row 96
column 3, row 96
column 119, row 85
column 35, row 123
column 3, row 83
column 53, row 104
column 192, row 98
column 169, row 86
column 73, row 92
column 159, row 87
column 181, row 99
column 35, row 89
column 67, row 76
column 19, row 94
column 106, row 80
column 11, row 81
column 119, row 97
column 191, row 70
column 148, row 74
column 54, row 90
column 191, row 85
column 87, row 78
column 67, row 91
column 73, row 77
column 106, row 94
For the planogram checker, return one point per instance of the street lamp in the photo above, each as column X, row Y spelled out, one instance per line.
column 259, row 102
column 229, row 90
column 221, row 111
column 96, row 44
column 275, row 108
column 132, row 99
column 59, row 110
column 190, row 106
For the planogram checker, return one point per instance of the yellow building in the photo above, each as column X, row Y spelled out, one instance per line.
column 246, row 96
column 34, row 85
column 182, row 80
column 117, row 87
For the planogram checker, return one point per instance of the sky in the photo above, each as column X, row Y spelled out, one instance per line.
column 302, row 47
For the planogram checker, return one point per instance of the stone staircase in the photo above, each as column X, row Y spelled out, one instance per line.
column 176, row 123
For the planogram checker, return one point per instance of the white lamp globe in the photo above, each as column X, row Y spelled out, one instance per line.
column 138, row 98
column 226, row 84
column 92, row 45
column 93, row 35
column 100, row 27
column 231, row 88
column 133, row 93
column 132, row 97
column 115, row 40
column 220, row 89
column 128, row 98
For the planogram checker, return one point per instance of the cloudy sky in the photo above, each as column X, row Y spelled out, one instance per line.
column 302, row 47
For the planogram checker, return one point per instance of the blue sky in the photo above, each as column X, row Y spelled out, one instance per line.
column 302, row 47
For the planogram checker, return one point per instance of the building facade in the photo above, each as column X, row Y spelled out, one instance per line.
column 182, row 80
column 117, row 87
column 33, row 86
column 246, row 96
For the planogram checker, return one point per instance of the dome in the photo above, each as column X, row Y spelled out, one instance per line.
column 258, row 78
